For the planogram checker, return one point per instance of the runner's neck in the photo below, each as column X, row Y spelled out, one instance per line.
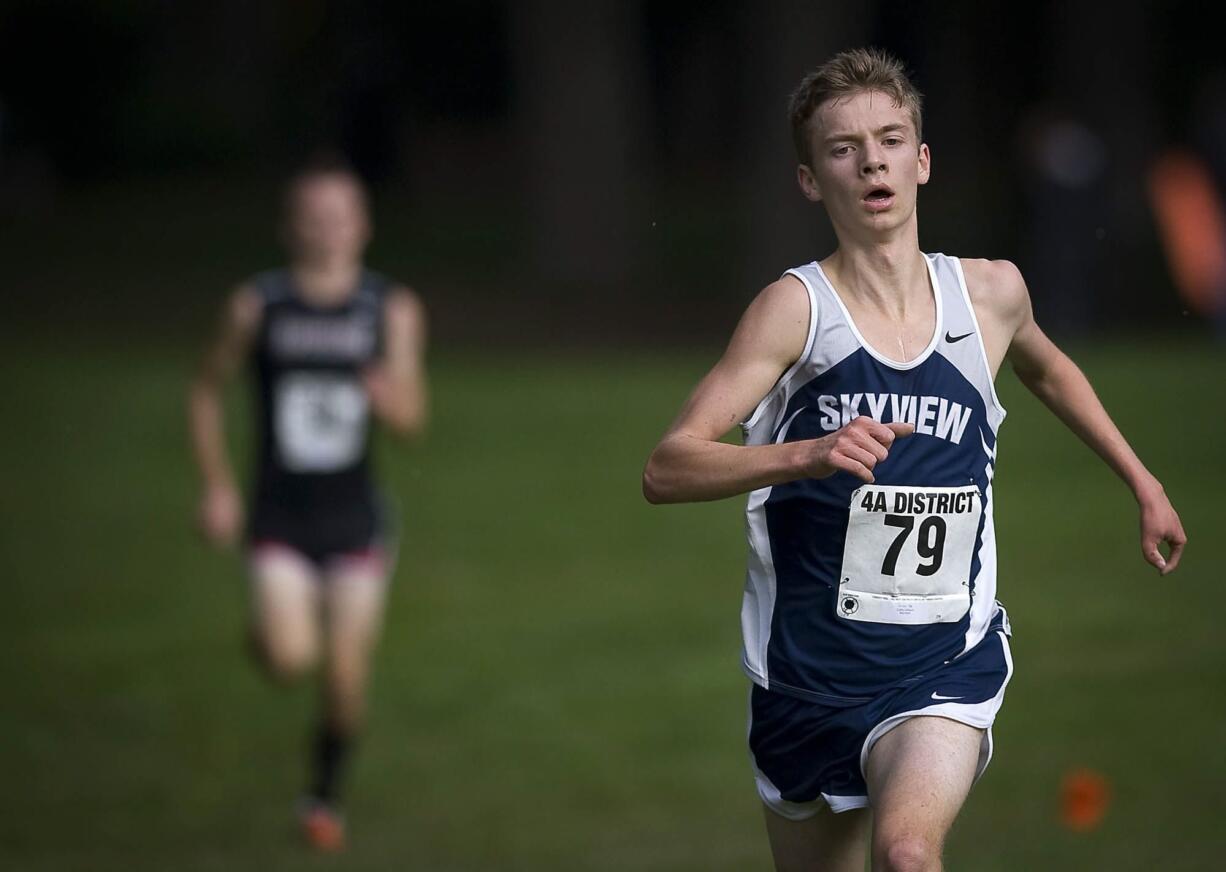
column 326, row 284
column 893, row 284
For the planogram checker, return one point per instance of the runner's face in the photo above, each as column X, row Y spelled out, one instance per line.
column 867, row 162
column 328, row 219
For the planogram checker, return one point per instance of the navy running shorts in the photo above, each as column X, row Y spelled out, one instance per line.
column 806, row 754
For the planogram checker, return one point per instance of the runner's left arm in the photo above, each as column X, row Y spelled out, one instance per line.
column 1056, row 380
column 397, row 383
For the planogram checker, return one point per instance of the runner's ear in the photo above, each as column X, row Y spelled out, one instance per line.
column 808, row 183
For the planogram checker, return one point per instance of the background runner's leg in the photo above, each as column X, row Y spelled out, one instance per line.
column 919, row 774
column 826, row 842
column 354, row 593
column 285, row 611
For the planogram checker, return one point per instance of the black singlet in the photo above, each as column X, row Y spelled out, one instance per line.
column 313, row 488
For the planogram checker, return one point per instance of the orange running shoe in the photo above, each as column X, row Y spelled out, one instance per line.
column 323, row 827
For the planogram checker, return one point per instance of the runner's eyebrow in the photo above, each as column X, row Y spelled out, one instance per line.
column 880, row 131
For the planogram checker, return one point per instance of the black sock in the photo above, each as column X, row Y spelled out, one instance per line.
column 330, row 754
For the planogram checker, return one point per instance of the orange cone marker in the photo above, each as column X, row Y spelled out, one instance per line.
column 1084, row 797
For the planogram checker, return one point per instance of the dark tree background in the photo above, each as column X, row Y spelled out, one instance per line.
column 548, row 171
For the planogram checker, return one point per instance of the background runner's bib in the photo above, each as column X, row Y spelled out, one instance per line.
column 907, row 555
column 321, row 420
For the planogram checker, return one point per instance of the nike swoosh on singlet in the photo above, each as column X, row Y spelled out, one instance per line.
column 952, row 339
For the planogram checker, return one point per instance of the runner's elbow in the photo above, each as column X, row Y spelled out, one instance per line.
column 655, row 482
column 203, row 395
column 407, row 425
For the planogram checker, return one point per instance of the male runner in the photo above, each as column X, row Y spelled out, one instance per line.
column 329, row 344
column 877, row 650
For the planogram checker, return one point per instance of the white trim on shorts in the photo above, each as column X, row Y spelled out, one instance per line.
column 801, row 811
column 980, row 715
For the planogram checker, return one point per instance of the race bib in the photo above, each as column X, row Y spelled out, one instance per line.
column 907, row 558
column 320, row 421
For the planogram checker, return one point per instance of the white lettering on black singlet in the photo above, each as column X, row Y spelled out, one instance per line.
column 931, row 416
column 311, row 337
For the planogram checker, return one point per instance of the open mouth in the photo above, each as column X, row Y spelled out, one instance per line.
column 879, row 199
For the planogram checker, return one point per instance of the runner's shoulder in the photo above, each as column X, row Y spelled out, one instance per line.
column 783, row 304
column 777, row 321
column 244, row 307
column 996, row 288
column 404, row 310
column 405, row 300
column 786, row 295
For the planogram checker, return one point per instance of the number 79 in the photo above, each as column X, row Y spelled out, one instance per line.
column 930, row 545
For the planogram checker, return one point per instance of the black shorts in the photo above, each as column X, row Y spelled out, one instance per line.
column 320, row 533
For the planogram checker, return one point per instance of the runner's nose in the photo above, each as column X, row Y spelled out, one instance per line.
column 873, row 161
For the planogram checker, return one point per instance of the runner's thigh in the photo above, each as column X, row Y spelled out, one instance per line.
column 919, row 774
column 355, row 589
column 285, row 608
column 825, row 842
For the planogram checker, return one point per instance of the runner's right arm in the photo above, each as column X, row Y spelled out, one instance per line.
column 220, row 512
column 690, row 464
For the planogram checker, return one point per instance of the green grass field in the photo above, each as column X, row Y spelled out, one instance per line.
column 559, row 684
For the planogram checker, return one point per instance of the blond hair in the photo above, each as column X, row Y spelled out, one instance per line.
column 851, row 72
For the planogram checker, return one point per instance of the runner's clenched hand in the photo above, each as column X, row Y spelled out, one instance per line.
column 856, row 448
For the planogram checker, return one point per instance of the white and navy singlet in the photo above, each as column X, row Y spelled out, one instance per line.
column 851, row 587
